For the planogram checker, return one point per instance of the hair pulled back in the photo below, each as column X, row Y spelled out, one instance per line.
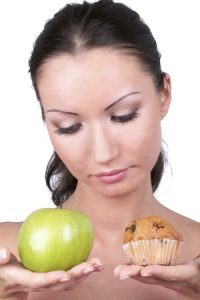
column 83, row 26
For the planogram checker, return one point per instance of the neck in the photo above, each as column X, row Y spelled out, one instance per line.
column 111, row 215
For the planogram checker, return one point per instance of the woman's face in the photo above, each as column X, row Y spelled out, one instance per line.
column 103, row 116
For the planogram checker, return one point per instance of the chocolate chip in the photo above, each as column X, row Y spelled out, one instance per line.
column 132, row 227
column 158, row 225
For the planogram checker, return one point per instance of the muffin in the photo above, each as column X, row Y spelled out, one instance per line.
column 151, row 240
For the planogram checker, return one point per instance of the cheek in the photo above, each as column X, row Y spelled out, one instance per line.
column 71, row 151
column 146, row 143
column 150, row 146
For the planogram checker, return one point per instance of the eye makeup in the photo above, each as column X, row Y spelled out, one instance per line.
column 124, row 118
column 69, row 130
column 124, row 110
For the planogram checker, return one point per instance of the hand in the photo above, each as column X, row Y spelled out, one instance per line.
column 184, row 279
column 16, row 281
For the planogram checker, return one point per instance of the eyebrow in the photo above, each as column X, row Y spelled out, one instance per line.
column 108, row 107
column 122, row 98
column 61, row 111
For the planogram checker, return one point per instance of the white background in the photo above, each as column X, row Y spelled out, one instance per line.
column 24, row 145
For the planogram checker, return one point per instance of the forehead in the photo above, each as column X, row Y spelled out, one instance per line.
column 101, row 61
column 104, row 72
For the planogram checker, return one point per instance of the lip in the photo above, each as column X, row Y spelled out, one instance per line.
column 112, row 176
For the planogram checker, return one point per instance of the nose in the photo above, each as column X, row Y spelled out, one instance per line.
column 105, row 145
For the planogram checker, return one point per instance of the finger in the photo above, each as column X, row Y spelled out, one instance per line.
column 127, row 271
column 44, row 280
column 5, row 255
column 82, row 269
column 76, row 275
column 96, row 263
column 15, row 273
column 55, row 280
column 170, row 273
column 42, row 284
column 117, row 270
column 196, row 260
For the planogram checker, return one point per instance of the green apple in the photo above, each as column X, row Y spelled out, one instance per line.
column 55, row 239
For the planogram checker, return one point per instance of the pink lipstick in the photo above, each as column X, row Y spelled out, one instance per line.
column 112, row 176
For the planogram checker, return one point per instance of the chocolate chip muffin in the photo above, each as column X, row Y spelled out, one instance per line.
column 151, row 240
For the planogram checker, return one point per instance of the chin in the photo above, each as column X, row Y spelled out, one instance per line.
column 117, row 190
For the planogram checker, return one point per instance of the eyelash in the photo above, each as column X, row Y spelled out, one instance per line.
column 125, row 118
column 69, row 130
column 119, row 119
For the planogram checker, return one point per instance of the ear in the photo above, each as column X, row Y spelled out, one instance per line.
column 165, row 95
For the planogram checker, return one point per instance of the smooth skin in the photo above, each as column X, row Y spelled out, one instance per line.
column 103, row 113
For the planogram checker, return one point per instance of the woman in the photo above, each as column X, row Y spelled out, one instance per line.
column 97, row 75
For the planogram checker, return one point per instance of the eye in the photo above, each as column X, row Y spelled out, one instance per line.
column 125, row 118
column 69, row 130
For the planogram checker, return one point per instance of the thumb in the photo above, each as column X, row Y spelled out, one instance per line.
column 171, row 273
column 5, row 255
column 196, row 260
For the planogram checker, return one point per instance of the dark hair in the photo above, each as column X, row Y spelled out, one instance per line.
column 86, row 26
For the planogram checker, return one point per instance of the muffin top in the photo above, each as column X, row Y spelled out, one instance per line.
column 152, row 227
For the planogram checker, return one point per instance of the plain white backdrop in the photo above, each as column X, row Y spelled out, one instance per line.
column 24, row 144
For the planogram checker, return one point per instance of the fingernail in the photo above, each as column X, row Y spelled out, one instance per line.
column 145, row 273
column 98, row 265
column 124, row 276
column 88, row 270
column 3, row 254
column 64, row 278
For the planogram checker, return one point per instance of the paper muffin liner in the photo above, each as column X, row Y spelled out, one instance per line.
column 153, row 251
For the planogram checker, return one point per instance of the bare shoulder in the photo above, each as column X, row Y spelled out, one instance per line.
column 190, row 232
column 9, row 235
column 187, row 226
